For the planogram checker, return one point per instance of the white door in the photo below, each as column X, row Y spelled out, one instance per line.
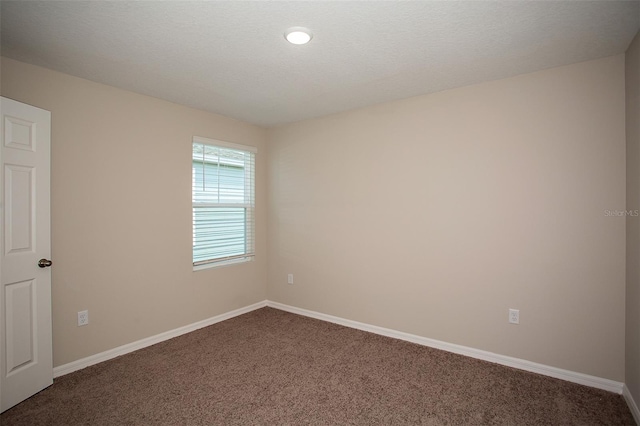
column 26, row 364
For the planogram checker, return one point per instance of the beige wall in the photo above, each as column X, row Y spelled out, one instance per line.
column 121, row 212
column 434, row 215
column 632, row 63
column 431, row 215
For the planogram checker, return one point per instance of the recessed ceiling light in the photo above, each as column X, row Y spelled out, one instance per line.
column 298, row 35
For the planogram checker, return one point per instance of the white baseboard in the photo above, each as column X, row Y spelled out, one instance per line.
column 570, row 376
column 631, row 403
column 134, row 346
column 558, row 373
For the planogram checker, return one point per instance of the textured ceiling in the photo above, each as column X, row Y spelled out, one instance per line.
column 231, row 57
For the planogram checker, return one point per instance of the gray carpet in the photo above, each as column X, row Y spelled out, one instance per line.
column 273, row 367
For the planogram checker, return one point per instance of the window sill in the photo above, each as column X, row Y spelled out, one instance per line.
column 213, row 265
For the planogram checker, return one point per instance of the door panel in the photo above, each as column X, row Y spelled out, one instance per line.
column 26, row 364
column 19, row 133
column 19, row 325
column 19, row 193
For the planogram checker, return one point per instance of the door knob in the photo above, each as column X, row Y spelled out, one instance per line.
column 44, row 263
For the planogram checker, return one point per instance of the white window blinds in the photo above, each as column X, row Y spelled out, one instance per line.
column 223, row 195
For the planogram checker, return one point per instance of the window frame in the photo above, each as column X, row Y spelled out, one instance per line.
column 249, row 206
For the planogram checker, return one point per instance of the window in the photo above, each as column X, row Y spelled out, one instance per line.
column 223, row 187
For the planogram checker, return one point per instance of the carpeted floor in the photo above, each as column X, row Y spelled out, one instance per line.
column 276, row 368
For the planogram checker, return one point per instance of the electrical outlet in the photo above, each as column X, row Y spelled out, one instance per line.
column 83, row 318
column 290, row 279
column 514, row 316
